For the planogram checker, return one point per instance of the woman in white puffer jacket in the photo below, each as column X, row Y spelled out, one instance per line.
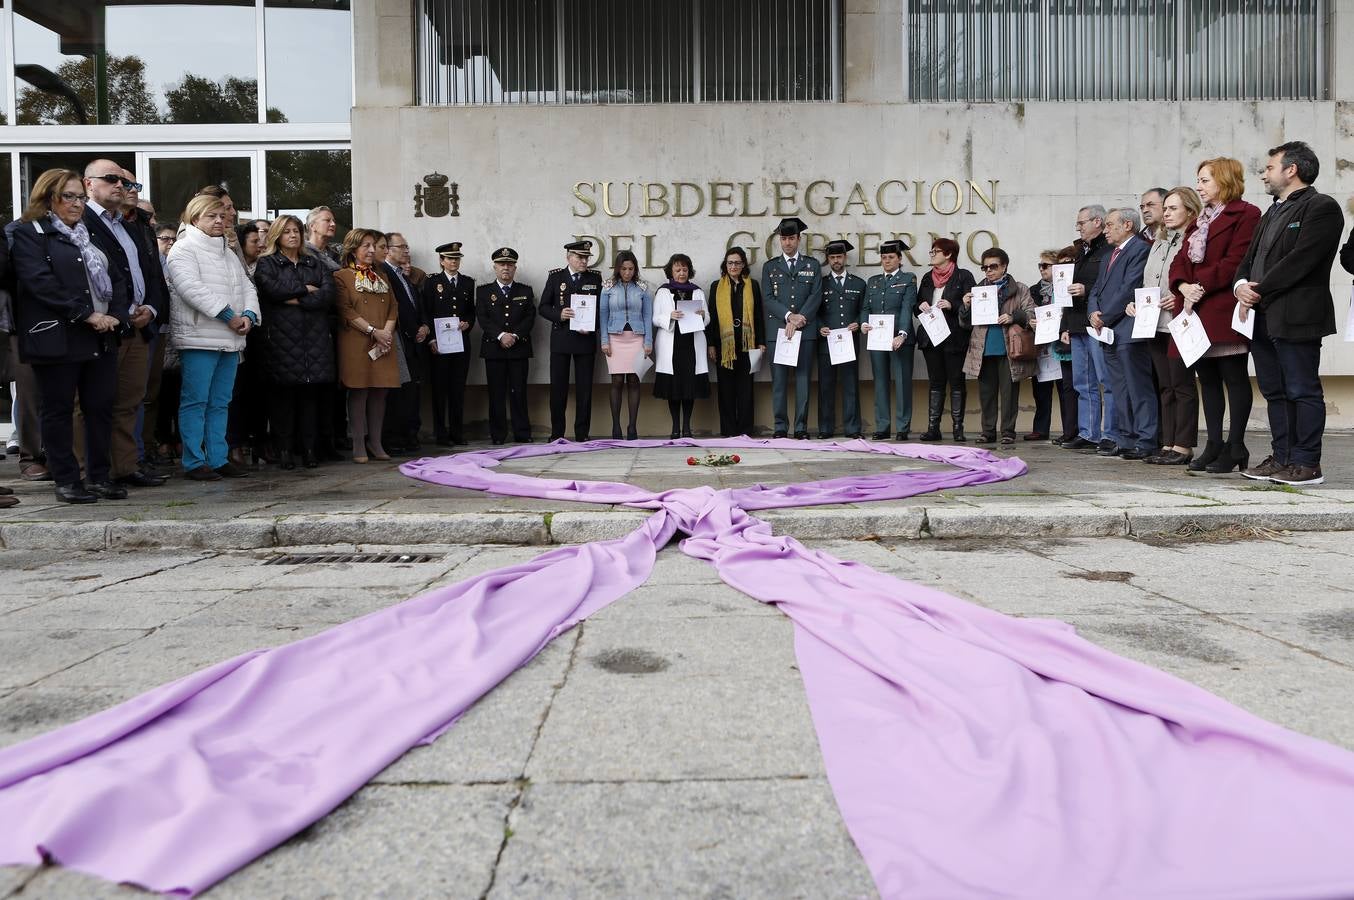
column 212, row 308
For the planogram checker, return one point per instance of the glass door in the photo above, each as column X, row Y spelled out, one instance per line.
column 172, row 178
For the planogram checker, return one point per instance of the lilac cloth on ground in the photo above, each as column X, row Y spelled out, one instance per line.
column 971, row 754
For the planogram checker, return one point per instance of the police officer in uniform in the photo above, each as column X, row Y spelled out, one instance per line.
column 792, row 290
column 445, row 294
column 567, row 346
column 842, row 295
column 506, row 311
column 893, row 292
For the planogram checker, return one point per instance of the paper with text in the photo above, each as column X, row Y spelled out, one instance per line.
column 881, row 333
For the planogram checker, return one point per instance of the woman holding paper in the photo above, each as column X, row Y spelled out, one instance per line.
column 997, row 374
column 942, row 288
column 626, row 310
column 297, row 295
column 736, row 328
column 1202, row 274
column 1175, row 382
column 367, row 315
column 679, row 350
column 1042, row 293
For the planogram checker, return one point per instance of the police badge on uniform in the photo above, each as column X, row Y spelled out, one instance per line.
column 438, row 196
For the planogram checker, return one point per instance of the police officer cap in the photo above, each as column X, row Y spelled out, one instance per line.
column 791, row 226
column 582, row 248
column 451, row 250
column 893, row 247
column 505, row 254
column 839, row 247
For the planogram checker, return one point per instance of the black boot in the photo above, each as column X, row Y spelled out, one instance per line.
column 1233, row 454
column 957, row 399
column 1205, row 459
column 935, row 403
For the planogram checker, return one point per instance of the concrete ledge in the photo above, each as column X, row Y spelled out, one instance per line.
column 455, row 528
column 54, row 535
column 581, row 527
column 1028, row 521
column 231, row 534
column 1283, row 517
column 808, row 522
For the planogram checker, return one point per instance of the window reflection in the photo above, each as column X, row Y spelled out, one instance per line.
column 299, row 180
column 310, row 60
column 31, row 165
column 174, row 181
column 129, row 63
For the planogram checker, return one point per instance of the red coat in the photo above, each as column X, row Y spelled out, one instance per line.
column 1229, row 237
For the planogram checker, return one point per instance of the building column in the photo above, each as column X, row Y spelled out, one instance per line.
column 383, row 50
column 874, row 42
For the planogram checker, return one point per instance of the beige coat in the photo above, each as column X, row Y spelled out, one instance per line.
column 1018, row 305
column 356, row 368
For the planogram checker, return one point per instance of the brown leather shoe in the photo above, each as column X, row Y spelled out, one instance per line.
column 6, row 501
column 1263, row 471
column 1298, row 475
column 34, row 471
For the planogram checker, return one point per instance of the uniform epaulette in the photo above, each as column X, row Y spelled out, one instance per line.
column 560, row 269
column 594, row 271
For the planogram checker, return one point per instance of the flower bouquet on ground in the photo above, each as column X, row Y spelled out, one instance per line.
column 714, row 459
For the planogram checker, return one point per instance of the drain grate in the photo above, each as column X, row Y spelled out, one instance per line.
column 305, row 559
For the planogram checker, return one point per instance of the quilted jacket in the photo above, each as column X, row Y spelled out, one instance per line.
column 204, row 278
column 298, row 345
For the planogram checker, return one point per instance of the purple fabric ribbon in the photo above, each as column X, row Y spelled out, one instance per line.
column 971, row 754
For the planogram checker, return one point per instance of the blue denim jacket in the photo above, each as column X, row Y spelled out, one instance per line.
column 627, row 302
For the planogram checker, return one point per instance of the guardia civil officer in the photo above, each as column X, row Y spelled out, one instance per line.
column 842, row 296
column 568, row 346
column 892, row 292
column 506, row 311
column 445, row 294
column 792, row 291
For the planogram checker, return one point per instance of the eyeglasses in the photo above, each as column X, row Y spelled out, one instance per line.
column 166, row 238
column 935, row 250
column 991, row 267
column 733, row 262
column 68, row 197
column 398, row 247
column 1046, row 265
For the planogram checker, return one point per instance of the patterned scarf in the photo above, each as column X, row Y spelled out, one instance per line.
column 95, row 264
column 367, row 281
column 941, row 274
column 724, row 309
column 1198, row 241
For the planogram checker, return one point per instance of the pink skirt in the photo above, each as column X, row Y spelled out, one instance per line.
column 626, row 349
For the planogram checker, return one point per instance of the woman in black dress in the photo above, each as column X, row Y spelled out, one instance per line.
column 737, row 325
column 682, row 375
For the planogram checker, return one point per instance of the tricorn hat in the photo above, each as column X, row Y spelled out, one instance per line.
column 894, row 246
column 839, row 247
column 792, row 225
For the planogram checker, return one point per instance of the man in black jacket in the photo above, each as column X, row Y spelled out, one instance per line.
column 1089, row 373
column 568, row 346
column 139, row 264
column 1285, row 280
column 448, row 294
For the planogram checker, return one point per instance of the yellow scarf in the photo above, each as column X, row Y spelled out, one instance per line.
column 724, row 309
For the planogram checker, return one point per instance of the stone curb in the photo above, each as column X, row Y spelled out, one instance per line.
column 572, row 527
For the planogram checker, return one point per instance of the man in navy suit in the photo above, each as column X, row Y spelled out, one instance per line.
column 139, row 264
column 1129, row 362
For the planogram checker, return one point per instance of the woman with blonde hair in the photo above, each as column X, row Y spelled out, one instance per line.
column 367, row 318
column 298, row 357
column 213, row 307
column 1175, row 384
column 1202, row 275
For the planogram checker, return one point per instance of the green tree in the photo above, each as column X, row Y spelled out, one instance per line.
column 198, row 100
column 129, row 100
column 302, row 179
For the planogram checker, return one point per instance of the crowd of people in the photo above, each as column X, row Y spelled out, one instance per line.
column 219, row 344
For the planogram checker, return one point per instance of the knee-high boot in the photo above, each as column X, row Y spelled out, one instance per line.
column 957, row 400
column 935, row 402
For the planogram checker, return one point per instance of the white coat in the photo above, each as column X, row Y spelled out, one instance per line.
column 204, row 278
column 665, row 327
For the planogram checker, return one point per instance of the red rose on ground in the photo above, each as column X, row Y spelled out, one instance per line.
column 737, row 458
column 691, row 460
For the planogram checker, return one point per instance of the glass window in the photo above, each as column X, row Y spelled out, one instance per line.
column 6, row 181
column 637, row 70
column 310, row 60
column 766, row 50
column 4, row 99
column 299, row 180
column 31, row 165
column 175, row 180
column 135, row 63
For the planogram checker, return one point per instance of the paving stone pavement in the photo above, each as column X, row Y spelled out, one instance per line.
column 1064, row 494
column 663, row 748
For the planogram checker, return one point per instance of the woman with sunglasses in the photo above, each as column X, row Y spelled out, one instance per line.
column 944, row 287
column 70, row 310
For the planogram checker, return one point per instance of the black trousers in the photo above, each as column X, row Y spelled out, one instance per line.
column 507, row 381
column 1177, row 394
column 447, row 379
column 294, row 411
column 584, row 365
column 1070, row 402
column 247, row 421
column 734, row 390
column 403, row 421
column 944, row 367
column 96, row 382
column 167, row 410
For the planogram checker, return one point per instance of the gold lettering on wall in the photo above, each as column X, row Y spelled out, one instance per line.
column 606, row 199
column 719, row 198
column 958, row 197
column 989, row 200
column 679, row 190
column 786, row 192
column 811, row 192
column 652, row 199
column 879, row 197
column 588, row 201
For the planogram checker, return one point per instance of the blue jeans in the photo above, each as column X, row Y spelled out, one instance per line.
column 204, row 404
column 1089, row 375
